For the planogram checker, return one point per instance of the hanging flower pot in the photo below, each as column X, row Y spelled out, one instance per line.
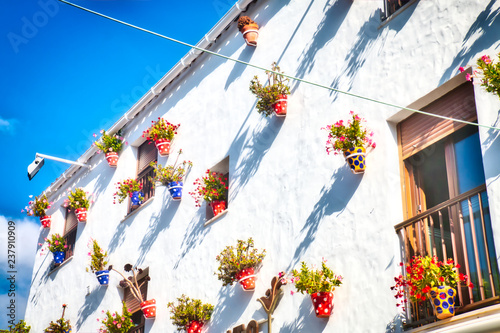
column 163, row 146
column 247, row 279
column 45, row 221
column 218, row 206
column 323, row 304
column 443, row 301
column 194, row 327
column 112, row 158
column 175, row 189
column 149, row 309
column 102, row 277
column 81, row 214
column 280, row 106
column 249, row 29
column 58, row 257
column 136, row 198
column 356, row 158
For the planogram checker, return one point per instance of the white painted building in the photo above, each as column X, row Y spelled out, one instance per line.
column 297, row 202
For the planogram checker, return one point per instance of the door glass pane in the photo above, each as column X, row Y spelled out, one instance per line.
column 469, row 160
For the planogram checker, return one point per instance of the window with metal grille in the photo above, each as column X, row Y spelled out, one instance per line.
column 70, row 229
column 146, row 153
column 445, row 198
column 133, row 304
column 223, row 168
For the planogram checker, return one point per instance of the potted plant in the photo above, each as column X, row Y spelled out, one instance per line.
column 116, row 322
column 273, row 96
column 488, row 72
column 190, row 314
column 20, row 327
column 148, row 307
column 320, row 284
column 38, row 207
column 249, row 29
column 129, row 188
column 98, row 262
column 110, row 145
column 57, row 245
column 171, row 176
column 351, row 139
column 78, row 201
column 213, row 189
column 161, row 133
column 60, row 326
column 429, row 278
column 239, row 264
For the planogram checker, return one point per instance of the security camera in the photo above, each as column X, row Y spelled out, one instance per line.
column 34, row 167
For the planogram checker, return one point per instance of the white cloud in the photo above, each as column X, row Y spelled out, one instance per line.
column 7, row 125
column 26, row 234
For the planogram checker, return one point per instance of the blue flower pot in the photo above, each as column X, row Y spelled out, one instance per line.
column 102, row 277
column 136, row 198
column 58, row 257
column 175, row 189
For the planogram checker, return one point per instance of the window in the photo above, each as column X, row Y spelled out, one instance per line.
column 70, row 228
column 223, row 168
column 392, row 6
column 445, row 198
column 134, row 305
column 146, row 153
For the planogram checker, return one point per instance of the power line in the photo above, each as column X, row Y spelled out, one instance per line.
column 271, row 71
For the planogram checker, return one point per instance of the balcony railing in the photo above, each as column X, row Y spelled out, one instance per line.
column 459, row 228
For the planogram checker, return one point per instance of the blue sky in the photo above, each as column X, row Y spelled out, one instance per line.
column 65, row 75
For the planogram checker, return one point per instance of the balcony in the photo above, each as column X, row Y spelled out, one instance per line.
column 459, row 228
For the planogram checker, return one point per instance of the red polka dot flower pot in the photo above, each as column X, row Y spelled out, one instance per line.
column 218, row 206
column 356, row 158
column 246, row 278
column 323, row 304
column 280, row 106
column 443, row 301
column 163, row 146
column 81, row 214
column 112, row 158
column 194, row 327
column 149, row 309
column 45, row 221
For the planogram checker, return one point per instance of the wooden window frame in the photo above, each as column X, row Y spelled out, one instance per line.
column 145, row 171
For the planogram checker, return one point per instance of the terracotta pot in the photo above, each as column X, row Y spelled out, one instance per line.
column 443, row 301
column 163, row 146
column 175, row 189
column 218, row 206
column 112, row 158
column 247, row 279
column 194, row 327
column 58, row 257
column 45, row 221
column 81, row 214
column 149, row 308
column 323, row 304
column 356, row 158
column 280, row 106
column 250, row 34
column 102, row 277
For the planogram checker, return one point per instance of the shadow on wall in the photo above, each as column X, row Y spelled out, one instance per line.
column 327, row 29
column 334, row 198
column 119, row 235
column 231, row 299
column 195, row 233
column 395, row 325
column 357, row 55
column 43, row 280
column 157, row 223
column 485, row 31
column 92, row 302
column 306, row 320
column 491, row 168
column 249, row 150
column 246, row 56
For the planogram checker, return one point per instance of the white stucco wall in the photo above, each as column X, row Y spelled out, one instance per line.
column 290, row 196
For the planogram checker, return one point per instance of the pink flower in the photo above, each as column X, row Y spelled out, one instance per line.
column 461, row 69
column 468, row 77
column 101, row 131
column 94, row 135
column 486, row 59
column 291, row 292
